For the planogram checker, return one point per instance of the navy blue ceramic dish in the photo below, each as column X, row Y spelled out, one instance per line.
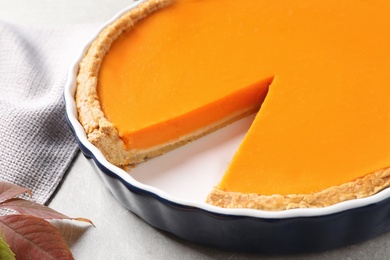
column 282, row 232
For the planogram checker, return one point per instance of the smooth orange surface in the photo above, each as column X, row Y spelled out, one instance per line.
column 326, row 117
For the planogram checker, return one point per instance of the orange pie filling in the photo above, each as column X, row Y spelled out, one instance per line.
column 322, row 134
column 184, row 124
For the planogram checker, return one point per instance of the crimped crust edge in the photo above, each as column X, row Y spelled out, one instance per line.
column 100, row 131
column 365, row 186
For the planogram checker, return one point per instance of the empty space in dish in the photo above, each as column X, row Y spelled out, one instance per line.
column 191, row 171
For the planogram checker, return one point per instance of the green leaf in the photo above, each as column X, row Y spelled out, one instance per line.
column 5, row 251
column 33, row 238
column 9, row 190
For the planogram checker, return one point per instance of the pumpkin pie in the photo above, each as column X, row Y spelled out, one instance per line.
column 314, row 72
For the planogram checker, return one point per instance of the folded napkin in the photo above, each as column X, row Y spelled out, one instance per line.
column 36, row 144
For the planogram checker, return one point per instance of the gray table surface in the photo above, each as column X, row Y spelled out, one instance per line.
column 119, row 234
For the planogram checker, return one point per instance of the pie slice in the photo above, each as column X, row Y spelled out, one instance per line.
column 315, row 72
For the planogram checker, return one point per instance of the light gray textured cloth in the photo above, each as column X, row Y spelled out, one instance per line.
column 36, row 144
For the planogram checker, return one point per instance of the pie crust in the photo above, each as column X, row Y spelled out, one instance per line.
column 99, row 130
column 362, row 187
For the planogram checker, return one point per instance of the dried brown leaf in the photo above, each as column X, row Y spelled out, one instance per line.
column 9, row 190
column 33, row 238
column 27, row 207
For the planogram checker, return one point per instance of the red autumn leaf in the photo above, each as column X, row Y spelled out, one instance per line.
column 33, row 238
column 29, row 235
column 9, row 190
column 27, row 207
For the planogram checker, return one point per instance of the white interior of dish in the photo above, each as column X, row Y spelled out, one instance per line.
column 187, row 174
column 191, row 171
